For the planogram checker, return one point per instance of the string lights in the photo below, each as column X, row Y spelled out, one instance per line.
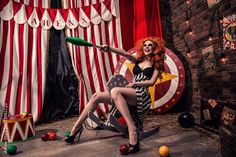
column 189, row 31
column 187, row 21
column 223, row 58
column 188, row 53
column 220, row 19
column 210, row 37
column 212, row 34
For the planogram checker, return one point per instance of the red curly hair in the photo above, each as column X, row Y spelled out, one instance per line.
column 159, row 51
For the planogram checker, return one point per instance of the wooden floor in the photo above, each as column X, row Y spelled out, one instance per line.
column 190, row 142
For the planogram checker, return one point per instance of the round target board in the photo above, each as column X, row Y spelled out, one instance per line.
column 166, row 91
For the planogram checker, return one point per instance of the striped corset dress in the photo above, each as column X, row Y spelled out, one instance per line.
column 143, row 95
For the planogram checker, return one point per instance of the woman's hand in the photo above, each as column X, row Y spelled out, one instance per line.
column 130, row 85
column 105, row 48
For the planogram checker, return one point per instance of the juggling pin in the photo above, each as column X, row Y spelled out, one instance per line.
column 80, row 42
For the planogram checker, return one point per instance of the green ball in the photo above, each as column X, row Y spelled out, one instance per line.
column 67, row 134
column 11, row 149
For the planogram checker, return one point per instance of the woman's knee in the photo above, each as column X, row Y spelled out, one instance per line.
column 115, row 92
column 96, row 97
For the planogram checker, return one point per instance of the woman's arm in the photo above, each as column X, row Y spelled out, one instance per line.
column 150, row 82
column 119, row 51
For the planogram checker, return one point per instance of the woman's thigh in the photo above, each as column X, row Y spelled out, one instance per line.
column 129, row 94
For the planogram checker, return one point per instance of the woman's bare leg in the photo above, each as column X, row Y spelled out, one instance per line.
column 122, row 97
column 100, row 97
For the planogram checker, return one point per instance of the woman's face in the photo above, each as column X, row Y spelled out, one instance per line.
column 148, row 47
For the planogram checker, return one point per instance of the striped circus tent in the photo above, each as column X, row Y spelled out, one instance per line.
column 25, row 26
column 99, row 24
column 23, row 53
column 24, row 45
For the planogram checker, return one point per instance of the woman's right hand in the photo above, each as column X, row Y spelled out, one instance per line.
column 105, row 48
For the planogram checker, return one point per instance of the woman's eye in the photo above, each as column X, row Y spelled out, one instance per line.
column 148, row 45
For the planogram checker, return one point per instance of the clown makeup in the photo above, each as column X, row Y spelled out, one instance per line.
column 148, row 47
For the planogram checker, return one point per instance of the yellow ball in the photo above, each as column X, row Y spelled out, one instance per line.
column 164, row 151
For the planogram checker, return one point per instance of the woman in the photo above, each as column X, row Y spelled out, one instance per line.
column 149, row 63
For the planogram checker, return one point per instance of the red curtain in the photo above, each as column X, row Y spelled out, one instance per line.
column 139, row 19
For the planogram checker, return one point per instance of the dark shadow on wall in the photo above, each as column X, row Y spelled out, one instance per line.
column 185, row 101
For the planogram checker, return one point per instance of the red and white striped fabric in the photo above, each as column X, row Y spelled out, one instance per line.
column 23, row 52
column 94, row 68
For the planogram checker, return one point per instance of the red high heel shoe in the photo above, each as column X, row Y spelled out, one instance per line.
column 71, row 139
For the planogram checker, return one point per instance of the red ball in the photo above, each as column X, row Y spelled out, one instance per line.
column 124, row 149
column 44, row 137
column 122, row 121
column 52, row 135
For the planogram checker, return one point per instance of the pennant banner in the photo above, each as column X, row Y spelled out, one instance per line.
column 58, row 18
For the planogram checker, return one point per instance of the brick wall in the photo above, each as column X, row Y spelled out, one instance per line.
column 174, row 13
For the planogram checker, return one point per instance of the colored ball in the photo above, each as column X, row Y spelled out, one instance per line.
column 67, row 134
column 44, row 137
column 186, row 120
column 52, row 135
column 164, row 151
column 11, row 149
column 25, row 114
column 124, row 149
column 122, row 121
